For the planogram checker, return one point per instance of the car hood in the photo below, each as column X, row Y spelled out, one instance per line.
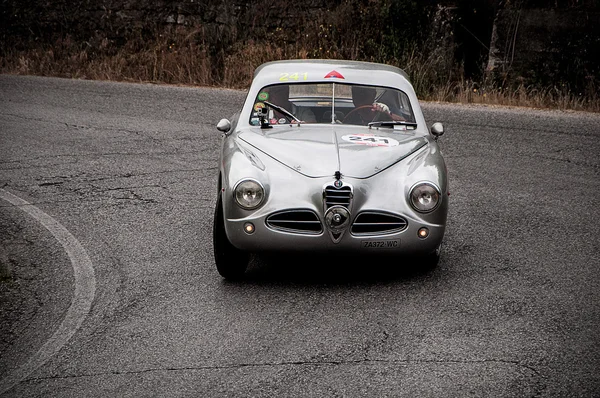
column 320, row 151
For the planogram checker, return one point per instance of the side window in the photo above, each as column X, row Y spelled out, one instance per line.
column 405, row 108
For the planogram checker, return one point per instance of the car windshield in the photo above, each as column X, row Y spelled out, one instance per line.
column 335, row 103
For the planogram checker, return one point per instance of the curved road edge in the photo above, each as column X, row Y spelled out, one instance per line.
column 83, row 296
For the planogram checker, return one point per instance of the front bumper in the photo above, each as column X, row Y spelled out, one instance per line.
column 265, row 239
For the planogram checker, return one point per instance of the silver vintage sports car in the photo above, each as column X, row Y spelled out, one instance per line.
column 329, row 156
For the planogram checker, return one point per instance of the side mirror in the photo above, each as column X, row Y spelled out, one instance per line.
column 224, row 125
column 437, row 129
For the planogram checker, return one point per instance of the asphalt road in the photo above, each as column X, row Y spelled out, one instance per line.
column 108, row 286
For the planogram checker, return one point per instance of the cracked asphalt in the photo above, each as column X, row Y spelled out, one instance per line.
column 130, row 171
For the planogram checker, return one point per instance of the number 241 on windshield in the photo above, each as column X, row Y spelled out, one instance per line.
column 285, row 77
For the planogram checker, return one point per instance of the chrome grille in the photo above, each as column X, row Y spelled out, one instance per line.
column 374, row 223
column 295, row 221
column 334, row 196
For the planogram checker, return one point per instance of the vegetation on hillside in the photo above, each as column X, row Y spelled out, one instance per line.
column 230, row 39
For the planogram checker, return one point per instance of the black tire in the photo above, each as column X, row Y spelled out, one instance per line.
column 433, row 258
column 230, row 261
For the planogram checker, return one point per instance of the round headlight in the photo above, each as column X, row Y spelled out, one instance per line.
column 249, row 194
column 424, row 197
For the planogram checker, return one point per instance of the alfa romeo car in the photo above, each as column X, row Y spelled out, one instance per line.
column 329, row 156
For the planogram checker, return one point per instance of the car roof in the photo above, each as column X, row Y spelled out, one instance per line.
column 339, row 71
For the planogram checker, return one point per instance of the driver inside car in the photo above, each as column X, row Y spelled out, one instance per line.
column 367, row 109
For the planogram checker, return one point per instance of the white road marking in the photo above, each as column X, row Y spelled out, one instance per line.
column 85, row 289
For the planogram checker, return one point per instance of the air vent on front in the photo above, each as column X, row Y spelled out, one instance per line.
column 375, row 223
column 337, row 196
column 295, row 221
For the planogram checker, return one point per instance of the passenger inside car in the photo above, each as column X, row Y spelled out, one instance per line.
column 280, row 95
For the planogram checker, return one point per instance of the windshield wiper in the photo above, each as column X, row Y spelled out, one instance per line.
column 282, row 110
column 392, row 123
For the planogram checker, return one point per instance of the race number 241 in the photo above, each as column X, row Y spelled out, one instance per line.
column 286, row 77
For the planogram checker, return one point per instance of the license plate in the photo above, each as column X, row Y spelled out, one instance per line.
column 380, row 244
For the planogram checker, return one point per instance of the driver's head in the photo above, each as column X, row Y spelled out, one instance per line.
column 362, row 95
column 279, row 94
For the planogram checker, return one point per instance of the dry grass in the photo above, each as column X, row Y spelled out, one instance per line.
column 183, row 56
column 161, row 61
column 521, row 95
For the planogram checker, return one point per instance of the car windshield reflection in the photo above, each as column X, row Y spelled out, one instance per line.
column 330, row 103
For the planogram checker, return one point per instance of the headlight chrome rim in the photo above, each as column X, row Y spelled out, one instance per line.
column 238, row 200
column 412, row 198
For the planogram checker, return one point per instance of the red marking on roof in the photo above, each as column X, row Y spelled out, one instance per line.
column 334, row 74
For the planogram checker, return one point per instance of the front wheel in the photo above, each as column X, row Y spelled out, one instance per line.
column 230, row 261
column 433, row 258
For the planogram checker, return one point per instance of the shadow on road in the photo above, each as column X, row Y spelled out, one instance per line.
column 303, row 270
